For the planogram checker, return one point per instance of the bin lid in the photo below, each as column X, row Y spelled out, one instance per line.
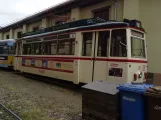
column 154, row 92
column 154, row 95
column 102, row 86
column 137, row 88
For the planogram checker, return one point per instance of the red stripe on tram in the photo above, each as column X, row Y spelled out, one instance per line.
column 71, row 59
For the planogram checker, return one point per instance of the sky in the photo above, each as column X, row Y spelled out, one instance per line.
column 13, row 10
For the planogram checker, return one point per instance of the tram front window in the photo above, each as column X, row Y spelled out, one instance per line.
column 137, row 48
column 3, row 49
column 118, row 43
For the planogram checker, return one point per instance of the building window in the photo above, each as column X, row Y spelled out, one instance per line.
column 35, row 28
column 19, row 34
column 7, row 36
column 59, row 22
column 102, row 13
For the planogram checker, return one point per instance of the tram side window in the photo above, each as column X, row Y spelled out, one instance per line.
column 46, row 48
column 50, row 48
column 103, row 43
column 1, row 49
column 53, row 48
column 66, row 47
column 4, row 49
column 118, row 43
column 27, row 49
column 87, row 44
column 36, row 49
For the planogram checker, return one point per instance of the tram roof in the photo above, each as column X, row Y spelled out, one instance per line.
column 80, row 25
column 98, row 26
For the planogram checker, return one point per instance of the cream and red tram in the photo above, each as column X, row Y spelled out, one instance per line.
column 85, row 51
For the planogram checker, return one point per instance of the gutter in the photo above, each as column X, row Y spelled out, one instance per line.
column 116, row 9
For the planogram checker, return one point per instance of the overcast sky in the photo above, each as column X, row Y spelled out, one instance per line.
column 13, row 10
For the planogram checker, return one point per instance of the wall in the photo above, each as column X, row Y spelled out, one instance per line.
column 146, row 11
column 87, row 11
column 51, row 21
column 15, row 32
column 1, row 36
column 77, row 13
column 5, row 34
column 131, row 9
column 35, row 24
column 150, row 16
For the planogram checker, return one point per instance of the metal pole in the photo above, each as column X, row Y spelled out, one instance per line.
column 116, row 7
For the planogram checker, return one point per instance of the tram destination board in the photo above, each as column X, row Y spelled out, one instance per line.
column 74, row 24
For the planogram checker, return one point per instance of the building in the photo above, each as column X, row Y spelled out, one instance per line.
column 143, row 10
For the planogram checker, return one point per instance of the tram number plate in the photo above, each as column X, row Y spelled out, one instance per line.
column 117, row 72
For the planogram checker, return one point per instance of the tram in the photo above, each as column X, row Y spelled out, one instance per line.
column 7, row 53
column 86, row 50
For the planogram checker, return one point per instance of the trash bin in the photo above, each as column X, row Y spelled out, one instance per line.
column 154, row 104
column 133, row 101
column 100, row 101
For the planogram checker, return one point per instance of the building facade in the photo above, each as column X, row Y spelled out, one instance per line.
column 143, row 10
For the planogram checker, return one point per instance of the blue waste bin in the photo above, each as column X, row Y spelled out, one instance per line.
column 133, row 101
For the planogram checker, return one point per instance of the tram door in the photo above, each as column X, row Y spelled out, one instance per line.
column 95, row 50
column 86, row 62
column 17, row 59
column 101, row 56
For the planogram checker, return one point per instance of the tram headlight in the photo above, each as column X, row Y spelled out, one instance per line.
column 140, row 75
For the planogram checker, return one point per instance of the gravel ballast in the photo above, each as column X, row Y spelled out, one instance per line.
column 36, row 100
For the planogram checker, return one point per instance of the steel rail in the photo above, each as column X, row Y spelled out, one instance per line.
column 10, row 112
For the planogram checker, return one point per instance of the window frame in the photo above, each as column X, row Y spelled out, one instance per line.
column 127, row 43
column 35, row 28
column 144, row 47
column 102, row 9
column 19, row 34
column 7, row 36
column 108, row 44
column 70, row 46
column 52, row 40
column 32, row 41
column 92, row 43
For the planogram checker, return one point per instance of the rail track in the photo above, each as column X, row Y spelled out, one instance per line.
column 7, row 114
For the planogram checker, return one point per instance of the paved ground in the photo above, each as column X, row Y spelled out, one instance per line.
column 37, row 100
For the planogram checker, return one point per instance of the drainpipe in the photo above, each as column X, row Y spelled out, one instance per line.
column 116, row 5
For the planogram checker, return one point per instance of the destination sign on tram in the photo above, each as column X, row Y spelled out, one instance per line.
column 137, row 34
